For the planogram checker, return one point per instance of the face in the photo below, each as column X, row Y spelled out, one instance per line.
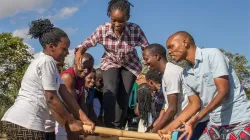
column 150, row 60
column 118, row 20
column 85, row 67
column 90, row 80
column 60, row 50
column 151, row 84
column 99, row 83
column 177, row 48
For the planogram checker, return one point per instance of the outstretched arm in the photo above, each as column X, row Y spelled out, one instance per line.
column 169, row 114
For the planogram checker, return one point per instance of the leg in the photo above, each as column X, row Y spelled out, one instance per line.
column 111, row 79
column 200, row 127
column 125, row 87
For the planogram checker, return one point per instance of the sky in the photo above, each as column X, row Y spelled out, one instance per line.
column 213, row 23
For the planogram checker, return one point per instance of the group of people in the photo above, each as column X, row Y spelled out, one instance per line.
column 204, row 100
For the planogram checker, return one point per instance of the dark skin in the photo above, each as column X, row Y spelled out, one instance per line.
column 81, row 71
column 181, row 47
column 118, row 20
column 155, row 61
column 59, row 51
column 89, row 83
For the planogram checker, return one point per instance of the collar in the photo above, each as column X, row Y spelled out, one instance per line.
column 111, row 32
column 198, row 58
column 198, row 54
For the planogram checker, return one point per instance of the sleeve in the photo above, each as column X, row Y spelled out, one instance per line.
column 218, row 63
column 143, row 42
column 172, row 83
column 92, row 40
column 186, row 89
column 49, row 76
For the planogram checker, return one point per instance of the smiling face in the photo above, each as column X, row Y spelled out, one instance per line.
column 60, row 50
column 90, row 80
column 118, row 20
column 150, row 59
column 177, row 48
column 85, row 67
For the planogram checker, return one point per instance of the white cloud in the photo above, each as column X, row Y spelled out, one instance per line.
column 23, row 33
column 13, row 7
column 64, row 13
column 70, row 31
column 67, row 11
column 30, row 48
column 69, row 60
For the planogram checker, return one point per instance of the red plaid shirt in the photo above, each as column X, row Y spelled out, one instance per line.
column 119, row 51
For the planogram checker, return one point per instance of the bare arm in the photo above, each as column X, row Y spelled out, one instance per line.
column 222, row 84
column 136, row 110
column 72, row 104
column 69, row 83
column 159, row 117
column 191, row 109
column 169, row 114
column 57, row 108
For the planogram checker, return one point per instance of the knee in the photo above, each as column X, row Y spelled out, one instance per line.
column 110, row 89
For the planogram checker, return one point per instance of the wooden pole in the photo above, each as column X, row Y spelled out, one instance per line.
column 124, row 133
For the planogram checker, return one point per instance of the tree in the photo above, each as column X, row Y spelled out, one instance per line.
column 240, row 64
column 14, row 60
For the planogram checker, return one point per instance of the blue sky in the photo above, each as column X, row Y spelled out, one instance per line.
column 213, row 23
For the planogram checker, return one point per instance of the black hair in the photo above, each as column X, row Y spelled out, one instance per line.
column 154, row 75
column 88, row 55
column 144, row 99
column 93, row 70
column 45, row 31
column 99, row 73
column 123, row 5
column 156, row 49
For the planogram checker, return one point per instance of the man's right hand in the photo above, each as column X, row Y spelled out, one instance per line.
column 76, row 126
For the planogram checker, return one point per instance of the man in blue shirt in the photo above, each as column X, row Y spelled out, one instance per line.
column 210, row 74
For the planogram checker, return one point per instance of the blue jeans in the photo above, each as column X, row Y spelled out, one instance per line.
column 200, row 127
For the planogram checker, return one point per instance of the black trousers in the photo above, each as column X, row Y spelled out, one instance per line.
column 118, row 83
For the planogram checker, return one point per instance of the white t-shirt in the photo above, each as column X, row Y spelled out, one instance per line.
column 30, row 109
column 172, row 84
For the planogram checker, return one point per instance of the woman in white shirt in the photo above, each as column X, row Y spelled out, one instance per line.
column 38, row 93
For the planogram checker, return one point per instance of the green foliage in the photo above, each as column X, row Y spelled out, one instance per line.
column 181, row 63
column 14, row 60
column 247, row 93
column 240, row 65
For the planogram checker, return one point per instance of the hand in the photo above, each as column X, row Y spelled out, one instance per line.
column 154, row 130
column 188, row 128
column 75, row 126
column 165, row 134
column 78, row 54
column 90, row 129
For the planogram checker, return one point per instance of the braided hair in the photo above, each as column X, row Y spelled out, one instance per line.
column 154, row 75
column 45, row 31
column 123, row 5
column 144, row 99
